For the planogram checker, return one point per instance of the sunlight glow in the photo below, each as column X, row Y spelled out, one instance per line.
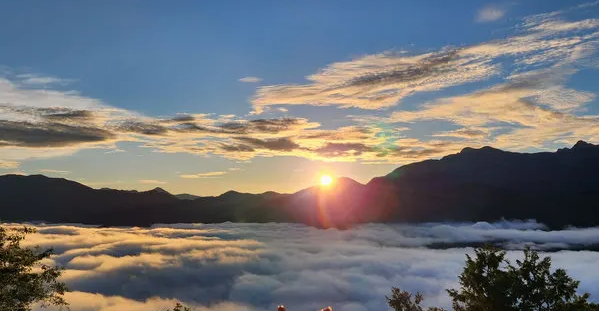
column 326, row 180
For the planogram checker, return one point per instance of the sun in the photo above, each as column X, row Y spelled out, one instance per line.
column 326, row 180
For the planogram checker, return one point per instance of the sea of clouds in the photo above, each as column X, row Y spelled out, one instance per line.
column 259, row 266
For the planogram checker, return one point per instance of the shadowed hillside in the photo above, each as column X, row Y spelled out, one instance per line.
column 558, row 189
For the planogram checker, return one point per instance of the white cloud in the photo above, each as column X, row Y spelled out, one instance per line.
column 151, row 182
column 533, row 109
column 8, row 164
column 31, row 79
column 259, row 266
column 378, row 81
column 250, row 79
column 490, row 13
column 383, row 80
column 204, row 175
column 83, row 301
column 55, row 171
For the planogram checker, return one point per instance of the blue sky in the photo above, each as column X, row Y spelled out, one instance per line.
column 350, row 88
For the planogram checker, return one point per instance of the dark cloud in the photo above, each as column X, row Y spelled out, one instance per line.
column 343, row 133
column 340, row 149
column 424, row 68
column 274, row 125
column 414, row 153
column 191, row 127
column 233, row 128
column 275, row 144
column 236, row 148
column 51, row 113
column 270, row 126
column 181, row 118
column 49, row 134
column 140, row 127
column 69, row 114
column 259, row 126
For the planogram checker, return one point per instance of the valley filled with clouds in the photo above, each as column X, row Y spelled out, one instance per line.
column 259, row 266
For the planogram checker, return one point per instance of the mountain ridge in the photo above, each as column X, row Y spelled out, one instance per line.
column 476, row 184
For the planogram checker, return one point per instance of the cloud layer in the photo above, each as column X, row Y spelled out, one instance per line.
column 258, row 266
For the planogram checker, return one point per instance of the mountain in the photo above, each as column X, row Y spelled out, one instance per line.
column 486, row 184
column 37, row 197
column 186, row 196
column 557, row 188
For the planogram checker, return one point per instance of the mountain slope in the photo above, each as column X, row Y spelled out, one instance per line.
column 186, row 196
column 486, row 184
column 558, row 188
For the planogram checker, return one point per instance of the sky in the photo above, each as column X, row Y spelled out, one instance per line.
column 204, row 97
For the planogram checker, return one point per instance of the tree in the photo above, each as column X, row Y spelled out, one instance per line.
column 24, row 279
column 485, row 286
column 402, row 301
column 489, row 282
column 180, row 307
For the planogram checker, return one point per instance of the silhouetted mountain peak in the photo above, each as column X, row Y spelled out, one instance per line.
column 38, row 180
column 346, row 182
column 269, row 193
column 159, row 190
column 582, row 145
column 229, row 193
column 477, row 184
column 485, row 149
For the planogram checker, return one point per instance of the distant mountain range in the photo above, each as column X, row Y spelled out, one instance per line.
column 186, row 196
column 557, row 188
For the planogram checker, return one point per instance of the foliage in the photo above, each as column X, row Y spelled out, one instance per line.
column 489, row 282
column 402, row 301
column 180, row 307
column 24, row 279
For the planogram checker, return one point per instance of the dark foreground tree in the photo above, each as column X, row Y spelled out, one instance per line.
column 24, row 280
column 489, row 282
column 402, row 301
column 180, row 307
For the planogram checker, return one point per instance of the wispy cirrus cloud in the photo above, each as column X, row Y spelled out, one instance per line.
column 378, row 81
column 32, row 79
column 490, row 13
column 250, row 79
column 8, row 164
column 216, row 174
column 529, row 110
column 51, row 171
column 151, row 182
column 383, row 80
